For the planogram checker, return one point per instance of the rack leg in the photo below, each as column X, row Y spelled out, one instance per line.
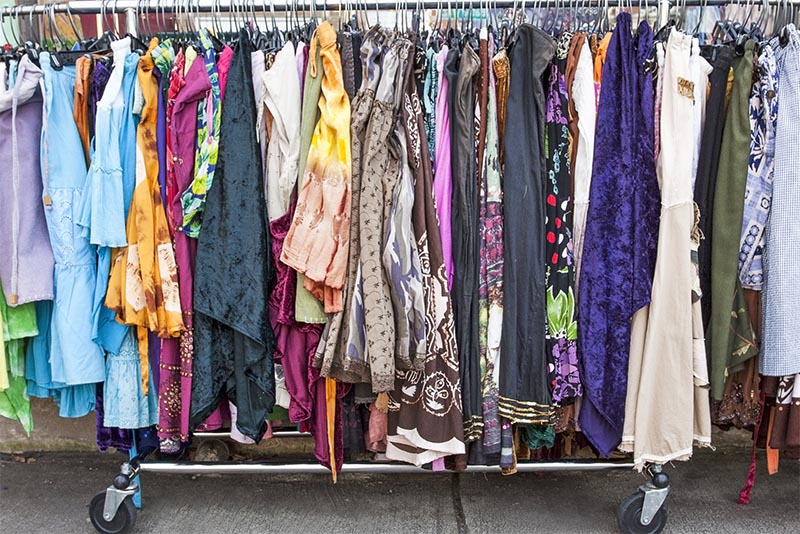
column 137, row 497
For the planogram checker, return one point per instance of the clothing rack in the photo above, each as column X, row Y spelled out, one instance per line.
column 134, row 7
column 125, row 491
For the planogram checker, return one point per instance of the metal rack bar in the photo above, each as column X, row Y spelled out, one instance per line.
column 188, row 468
column 94, row 7
column 276, row 434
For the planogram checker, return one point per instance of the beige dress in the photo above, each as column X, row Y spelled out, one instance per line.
column 666, row 409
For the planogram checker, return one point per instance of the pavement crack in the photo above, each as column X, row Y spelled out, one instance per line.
column 458, row 506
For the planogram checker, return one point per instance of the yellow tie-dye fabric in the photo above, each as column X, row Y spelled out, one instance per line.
column 318, row 240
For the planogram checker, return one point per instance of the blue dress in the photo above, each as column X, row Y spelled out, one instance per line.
column 124, row 402
column 109, row 186
column 74, row 358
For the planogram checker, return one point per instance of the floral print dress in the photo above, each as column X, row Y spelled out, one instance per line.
column 562, row 328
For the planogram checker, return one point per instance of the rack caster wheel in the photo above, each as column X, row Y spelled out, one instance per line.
column 212, row 450
column 122, row 521
column 629, row 516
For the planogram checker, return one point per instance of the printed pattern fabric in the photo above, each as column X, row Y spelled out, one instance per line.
column 760, row 170
column 342, row 353
column 143, row 287
column 401, row 261
column 176, row 83
column 425, row 419
column 382, row 167
column 209, row 115
column 430, row 91
column 318, row 241
column 490, row 289
column 562, row 328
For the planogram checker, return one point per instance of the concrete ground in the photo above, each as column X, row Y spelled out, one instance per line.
column 50, row 492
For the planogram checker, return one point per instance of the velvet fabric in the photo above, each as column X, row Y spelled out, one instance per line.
column 621, row 233
column 235, row 342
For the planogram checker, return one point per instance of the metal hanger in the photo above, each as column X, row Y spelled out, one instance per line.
column 699, row 25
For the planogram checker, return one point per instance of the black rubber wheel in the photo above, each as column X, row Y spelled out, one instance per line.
column 629, row 516
column 123, row 521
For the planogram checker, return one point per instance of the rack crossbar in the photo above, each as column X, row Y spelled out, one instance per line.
column 189, row 468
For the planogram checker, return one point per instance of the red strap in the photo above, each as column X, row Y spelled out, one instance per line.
column 744, row 495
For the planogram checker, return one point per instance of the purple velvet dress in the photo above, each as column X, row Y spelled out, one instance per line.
column 621, row 233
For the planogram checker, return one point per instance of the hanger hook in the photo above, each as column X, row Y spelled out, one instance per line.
column 13, row 12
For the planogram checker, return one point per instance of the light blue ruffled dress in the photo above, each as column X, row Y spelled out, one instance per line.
column 75, row 360
column 124, row 403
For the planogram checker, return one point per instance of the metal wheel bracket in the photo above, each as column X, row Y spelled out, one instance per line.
column 114, row 498
column 653, row 501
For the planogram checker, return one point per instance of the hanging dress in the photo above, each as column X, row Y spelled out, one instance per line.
column 780, row 352
column 443, row 172
column 621, row 235
column 309, row 308
column 524, row 391
column 74, row 358
column 342, row 354
column 668, row 366
column 707, row 166
column 760, row 172
column 280, row 94
column 583, row 98
column 464, row 221
column 233, row 338
column 425, row 421
column 400, row 256
column 110, row 183
column 731, row 337
column 381, row 172
column 143, row 287
column 490, row 303
column 183, row 98
column 562, row 327
column 26, row 261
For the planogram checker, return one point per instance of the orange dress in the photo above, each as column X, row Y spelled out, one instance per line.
column 143, row 287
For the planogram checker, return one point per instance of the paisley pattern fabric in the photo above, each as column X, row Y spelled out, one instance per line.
column 758, row 195
column 425, row 421
column 209, row 115
column 490, row 296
